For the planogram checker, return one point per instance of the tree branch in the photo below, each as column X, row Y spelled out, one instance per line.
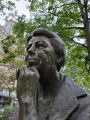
column 89, row 20
column 82, row 28
column 7, row 86
column 79, row 20
column 65, row 5
column 68, row 4
column 88, row 10
column 79, row 36
column 72, row 39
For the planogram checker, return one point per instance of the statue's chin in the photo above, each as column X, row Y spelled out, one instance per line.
column 33, row 63
column 35, row 66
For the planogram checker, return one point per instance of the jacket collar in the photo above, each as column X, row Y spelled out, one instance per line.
column 66, row 101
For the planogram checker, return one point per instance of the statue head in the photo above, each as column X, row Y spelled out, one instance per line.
column 55, row 41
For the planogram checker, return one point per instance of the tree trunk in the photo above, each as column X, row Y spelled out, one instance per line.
column 84, row 15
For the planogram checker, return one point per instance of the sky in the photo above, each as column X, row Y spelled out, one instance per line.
column 20, row 7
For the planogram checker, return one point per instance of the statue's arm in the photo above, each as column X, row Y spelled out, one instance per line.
column 26, row 86
column 27, row 111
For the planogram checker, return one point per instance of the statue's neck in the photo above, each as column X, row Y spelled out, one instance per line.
column 49, row 83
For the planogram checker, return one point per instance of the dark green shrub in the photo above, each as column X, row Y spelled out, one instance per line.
column 7, row 111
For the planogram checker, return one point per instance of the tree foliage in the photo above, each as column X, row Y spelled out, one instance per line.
column 70, row 20
column 5, row 82
column 7, row 9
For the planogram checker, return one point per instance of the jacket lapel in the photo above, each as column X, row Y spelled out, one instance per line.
column 66, row 101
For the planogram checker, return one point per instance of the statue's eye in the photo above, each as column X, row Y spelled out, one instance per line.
column 40, row 45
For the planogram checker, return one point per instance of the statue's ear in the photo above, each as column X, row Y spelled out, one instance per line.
column 58, row 58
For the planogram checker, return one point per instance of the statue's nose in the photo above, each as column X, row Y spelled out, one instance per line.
column 32, row 50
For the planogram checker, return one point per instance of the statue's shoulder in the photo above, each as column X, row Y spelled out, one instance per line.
column 72, row 101
column 70, row 85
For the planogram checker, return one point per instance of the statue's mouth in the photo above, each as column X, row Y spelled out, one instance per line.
column 34, row 61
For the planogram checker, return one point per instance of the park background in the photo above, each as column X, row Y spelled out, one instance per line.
column 70, row 19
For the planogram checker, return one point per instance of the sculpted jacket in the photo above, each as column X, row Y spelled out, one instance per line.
column 70, row 103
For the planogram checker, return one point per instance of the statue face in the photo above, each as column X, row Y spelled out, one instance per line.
column 40, row 53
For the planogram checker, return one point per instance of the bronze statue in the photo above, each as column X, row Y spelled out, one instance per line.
column 44, row 93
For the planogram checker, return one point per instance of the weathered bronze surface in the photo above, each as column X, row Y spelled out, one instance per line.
column 44, row 93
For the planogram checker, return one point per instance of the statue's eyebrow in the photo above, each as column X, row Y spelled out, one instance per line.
column 36, row 43
column 41, row 42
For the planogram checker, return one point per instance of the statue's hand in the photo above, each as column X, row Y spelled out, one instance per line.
column 27, row 83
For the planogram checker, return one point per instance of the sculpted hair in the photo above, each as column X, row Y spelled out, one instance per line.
column 56, row 42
